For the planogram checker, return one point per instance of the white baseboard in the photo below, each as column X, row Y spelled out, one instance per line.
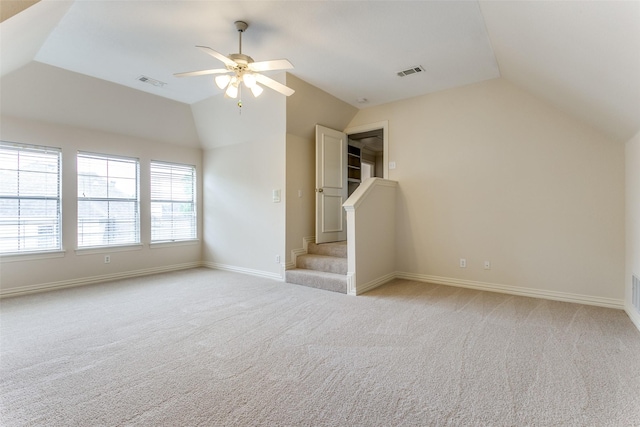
column 375, row 283
column 94, row 279
column 351, row 283
column 295, row 253
column 306, row 241
column 514, row 290
column 251, row 272
column 294, row 258
column 491, row 287
column 633, row 315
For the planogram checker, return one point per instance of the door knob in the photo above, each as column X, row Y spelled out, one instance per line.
column 319, row 190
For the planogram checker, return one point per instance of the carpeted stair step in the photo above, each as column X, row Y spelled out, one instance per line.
column 317, row 279
column 336, row 249
column 329, row 264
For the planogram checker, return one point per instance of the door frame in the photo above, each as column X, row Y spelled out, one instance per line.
column 384, row 125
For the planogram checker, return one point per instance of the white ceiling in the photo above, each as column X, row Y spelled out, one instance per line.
column 350, row 49
column 583, row 57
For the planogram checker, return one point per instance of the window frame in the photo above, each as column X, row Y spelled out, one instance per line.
column 56, row 234
column 193, row 230
column 135, row 201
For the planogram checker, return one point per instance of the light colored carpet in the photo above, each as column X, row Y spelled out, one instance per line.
column 317, row 279
column 213, row 348
column 323, row 267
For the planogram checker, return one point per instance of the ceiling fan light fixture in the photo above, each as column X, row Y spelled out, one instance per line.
column 256, row 90
column 222, row 80
column 249, row 80
column 232, row 89
column 242, row 68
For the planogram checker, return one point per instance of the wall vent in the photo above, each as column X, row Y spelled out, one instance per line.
column 412, row 70
column 635, row 292
column 149, row 80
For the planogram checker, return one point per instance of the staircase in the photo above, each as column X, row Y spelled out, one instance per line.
column 323, row 267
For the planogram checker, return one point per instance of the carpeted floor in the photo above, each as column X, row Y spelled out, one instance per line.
column 212, row 348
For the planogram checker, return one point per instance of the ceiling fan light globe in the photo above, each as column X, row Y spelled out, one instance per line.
column 232, row 91
column 256, row 90
column 222, row 81
column 249, row 80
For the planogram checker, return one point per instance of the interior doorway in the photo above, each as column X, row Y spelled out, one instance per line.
column 368, row 153
column 380, row 132
column 339, row 171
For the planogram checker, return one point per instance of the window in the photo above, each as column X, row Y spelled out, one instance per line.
column 29, row 198
column 108, row 200
column 173, row 202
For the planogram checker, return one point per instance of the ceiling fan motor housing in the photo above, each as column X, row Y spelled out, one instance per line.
column 242, row 60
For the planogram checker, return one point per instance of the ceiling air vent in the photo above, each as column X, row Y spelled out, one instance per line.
column 412, row 70
column 149, row 80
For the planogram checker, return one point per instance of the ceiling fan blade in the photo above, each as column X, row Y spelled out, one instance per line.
column 277, row 64
column 218, row 56
column 201, row 73
column 277, row 86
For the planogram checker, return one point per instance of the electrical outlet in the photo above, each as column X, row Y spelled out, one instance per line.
column 278, row 259
column 487, row 265
column 463, row 263
column 107, row 259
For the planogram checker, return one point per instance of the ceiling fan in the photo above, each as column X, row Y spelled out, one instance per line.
column 241, row 68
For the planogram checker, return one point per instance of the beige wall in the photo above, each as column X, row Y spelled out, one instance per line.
column 306, row 108
column 485, row 172
column 371, row 228
column 50, row 94
column 26, row 274
column 489, row 172
column 633, row 220
column 244, row 230
column 300, row 209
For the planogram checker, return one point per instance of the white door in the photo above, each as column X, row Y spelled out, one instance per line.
column 331, row 185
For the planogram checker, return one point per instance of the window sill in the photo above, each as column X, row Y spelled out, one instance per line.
column 31, row 256
column 172, row 243
column 108, row 249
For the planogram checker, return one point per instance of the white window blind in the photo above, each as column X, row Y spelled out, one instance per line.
column 173, row 202
column 29, row 198
column 108, row 200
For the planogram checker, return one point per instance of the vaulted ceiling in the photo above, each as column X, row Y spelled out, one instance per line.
column 581, row 56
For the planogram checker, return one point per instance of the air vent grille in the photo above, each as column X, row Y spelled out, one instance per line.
column 412, row 70
column 149, row 80
column 635, row 292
